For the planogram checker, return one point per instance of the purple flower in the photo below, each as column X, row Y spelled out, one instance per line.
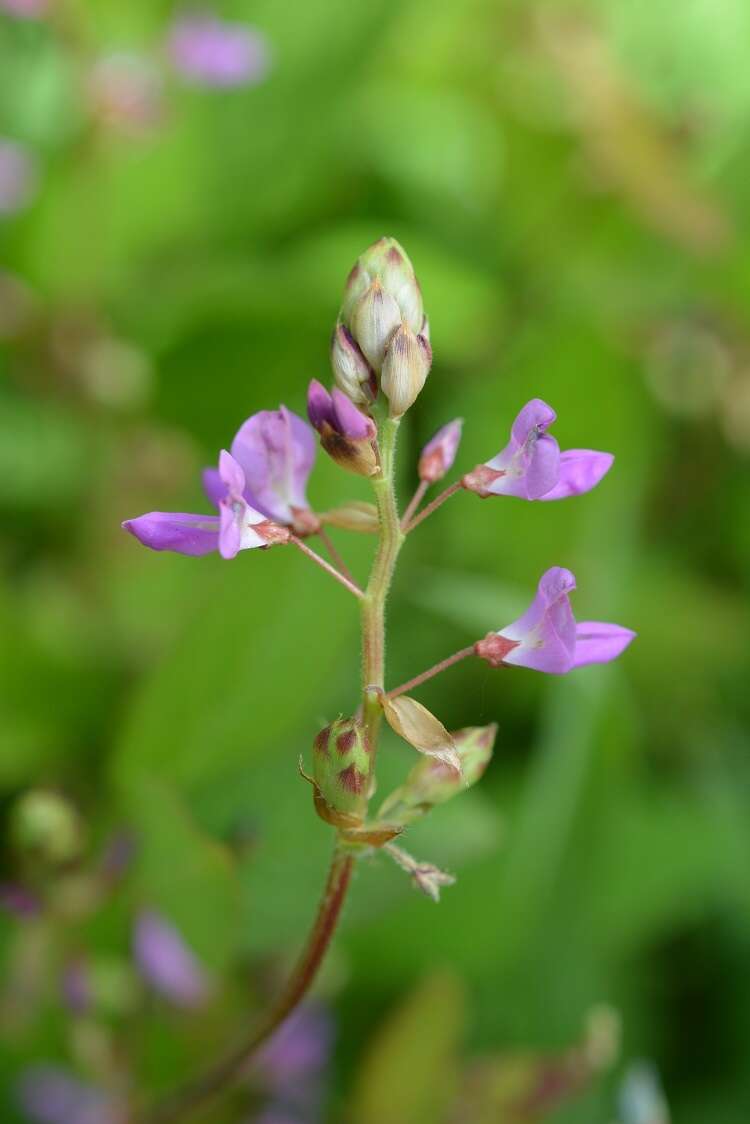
column 211, row 52
column 298, row 1051
column 548, row 638
column 276, row 451
column 531, row 465
column 346, row 434
column 19, row 901
column 50, row 1095
column 17, row 177
column 167, row 963
column 25, row 9
column 439, row 454
column 238, row 526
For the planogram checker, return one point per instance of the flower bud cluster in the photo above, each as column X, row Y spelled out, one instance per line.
column 381, row 339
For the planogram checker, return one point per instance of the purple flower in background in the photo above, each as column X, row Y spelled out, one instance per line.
column 439, row 454
column 18, row 901
column 548, row 638
column 212, row 52
column 17, row 177
column 531, row 465
column 291, row 1065
column 49, row 1095
column 167, row 963
column 25, row 9
column 76, row 986
column 238, row 526
column 276, row 451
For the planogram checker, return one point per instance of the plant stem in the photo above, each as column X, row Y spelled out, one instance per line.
column 335, row 556
column 434, row 505
column 329, row 569
column 449, row 661
column 414, row 502
column 376, row 593
column 230, row 1068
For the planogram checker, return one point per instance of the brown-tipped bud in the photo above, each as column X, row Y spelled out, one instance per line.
column 357, row 516
column 439, row 454
column 421, row 729
column 352, row 372
column 341, row 767
column 405, row 369
column 374, row 319
column 433, row 782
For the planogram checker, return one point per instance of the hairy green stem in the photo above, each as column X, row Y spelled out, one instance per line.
column 376, row 593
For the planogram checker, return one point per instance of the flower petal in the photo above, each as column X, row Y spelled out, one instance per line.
column 231, row 472
column 536, row 414
column 599, row 642
column 51, row 1095
column 179, row 531
column 580, row 471
column 546, row 633
column 351, row 422
column 213, row 485
column 167, row 962
column 438, row 455
column 276, row 450
column 319, row 405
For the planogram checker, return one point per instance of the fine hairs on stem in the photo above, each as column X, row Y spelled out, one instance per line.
column 381, row 357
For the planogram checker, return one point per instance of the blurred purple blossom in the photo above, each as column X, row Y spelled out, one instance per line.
column 25, row 9
column 209, row 51
column 291, row 1067
column 548, row 638
column 18, row 176
column 50, row 1095
column 531, row 465
column 167, row 963
column 18, row 901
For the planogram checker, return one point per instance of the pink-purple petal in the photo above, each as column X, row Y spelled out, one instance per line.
column 536, row 414
column 350, row 422
column 167, row 963
column 230, row 531
column 319, row 405
column 599, row 642
column 231, row 474
column 213, row 485
column 580, row 471
column 276, row 449
column 214, row 52
column 546, row 633
column 179, row 531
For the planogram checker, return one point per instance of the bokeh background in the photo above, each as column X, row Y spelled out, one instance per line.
column 571, row 182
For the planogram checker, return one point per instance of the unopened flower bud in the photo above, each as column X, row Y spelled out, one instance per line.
column 346, row 434
column 359, row 515
column 433, row 782
column 352, row 372
column 405, row 368
column 341, row 767
column 387, row 262
column 46, row 827
column 439, row 454
column 375, row 318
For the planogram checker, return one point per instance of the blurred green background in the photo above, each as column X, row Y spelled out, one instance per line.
column 572, row 185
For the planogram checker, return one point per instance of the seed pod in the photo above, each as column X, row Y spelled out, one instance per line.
column 341, row 767
column 433, row 781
